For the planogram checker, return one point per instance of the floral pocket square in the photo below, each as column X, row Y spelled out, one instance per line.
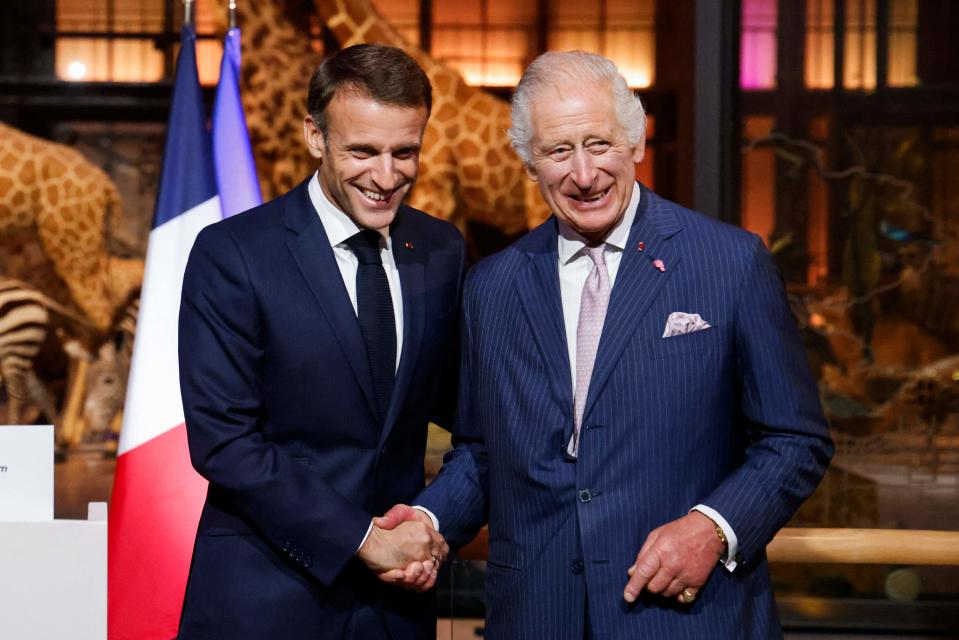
column 679, row 323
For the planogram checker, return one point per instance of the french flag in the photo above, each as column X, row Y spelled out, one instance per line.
column 157, row 496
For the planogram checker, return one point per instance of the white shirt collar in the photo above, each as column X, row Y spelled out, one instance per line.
column 338, row 226
column 571, row 242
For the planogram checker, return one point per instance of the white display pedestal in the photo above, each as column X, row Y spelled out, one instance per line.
column 53, row 578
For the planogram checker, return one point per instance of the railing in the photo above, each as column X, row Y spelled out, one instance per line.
column 842, row 546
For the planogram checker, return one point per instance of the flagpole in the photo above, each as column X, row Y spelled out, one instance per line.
column 187, row 12
column 231, row 14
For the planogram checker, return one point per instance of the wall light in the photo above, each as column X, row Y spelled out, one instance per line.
column 77, row 70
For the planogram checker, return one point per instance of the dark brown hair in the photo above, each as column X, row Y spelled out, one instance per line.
column 385, row 74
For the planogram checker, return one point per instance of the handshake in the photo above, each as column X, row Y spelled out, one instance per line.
column 404, row 549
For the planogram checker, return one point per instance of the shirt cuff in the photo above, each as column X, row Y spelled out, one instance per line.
column 369, row 529
column 732, row 543
column 436, row 523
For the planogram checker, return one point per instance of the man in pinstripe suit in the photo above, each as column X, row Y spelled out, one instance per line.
column 637, row 418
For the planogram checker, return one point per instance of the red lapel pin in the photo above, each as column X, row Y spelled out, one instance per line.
column 408, row 244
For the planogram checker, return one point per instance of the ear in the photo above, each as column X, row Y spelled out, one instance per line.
column 315, row 143
column 531, row 172
column 639, row 151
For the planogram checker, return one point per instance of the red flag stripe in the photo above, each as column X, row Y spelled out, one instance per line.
column 157, row 499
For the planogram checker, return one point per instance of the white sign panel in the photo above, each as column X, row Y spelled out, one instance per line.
column 26, row 473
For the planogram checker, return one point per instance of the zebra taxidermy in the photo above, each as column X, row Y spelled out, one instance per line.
column 105, row 382
column 24, row 325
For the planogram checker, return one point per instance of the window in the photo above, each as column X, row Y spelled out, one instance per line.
column 488, row 41
column 859, row 49
column 622, row 30
column 757, row 69
column 111, row 41
column 903, row 23
column 819, row 44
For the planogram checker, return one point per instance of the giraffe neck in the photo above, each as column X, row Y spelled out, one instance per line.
column 356, row 22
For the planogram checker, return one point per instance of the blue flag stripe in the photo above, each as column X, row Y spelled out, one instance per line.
column 235, row 169
column 187, row 176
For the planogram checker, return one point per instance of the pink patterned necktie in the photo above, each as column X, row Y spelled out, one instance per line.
column 592, row 315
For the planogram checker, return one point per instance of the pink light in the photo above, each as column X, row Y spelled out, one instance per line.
column 757, row 57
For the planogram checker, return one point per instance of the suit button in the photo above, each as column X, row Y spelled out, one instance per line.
column 576, row 566
column 585, row 495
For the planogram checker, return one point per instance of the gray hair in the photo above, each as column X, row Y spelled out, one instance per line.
column 579, row 67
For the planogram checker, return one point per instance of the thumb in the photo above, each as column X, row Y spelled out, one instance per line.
column 395, row 516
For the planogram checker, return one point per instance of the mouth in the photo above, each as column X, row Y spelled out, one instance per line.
column 591, row 198
column 376, row 198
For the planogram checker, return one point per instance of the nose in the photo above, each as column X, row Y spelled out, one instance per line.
column 385, row 175
column 583, row 169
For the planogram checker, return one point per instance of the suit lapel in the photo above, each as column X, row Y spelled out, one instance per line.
column 637, row 284
column 411, row 264
column 313, row 255
column 537, row 284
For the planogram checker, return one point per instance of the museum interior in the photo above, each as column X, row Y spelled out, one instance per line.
column 830, row 128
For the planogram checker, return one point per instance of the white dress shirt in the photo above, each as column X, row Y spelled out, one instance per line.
column 339, row 228
column 574, row 268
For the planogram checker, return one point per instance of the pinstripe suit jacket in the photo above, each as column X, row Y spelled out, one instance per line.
column 728, row 417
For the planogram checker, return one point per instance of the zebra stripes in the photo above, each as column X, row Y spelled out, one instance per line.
column 24, row 324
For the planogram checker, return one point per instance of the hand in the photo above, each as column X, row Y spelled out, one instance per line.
column 676, row 556
column 407, row 543
column 417, row 576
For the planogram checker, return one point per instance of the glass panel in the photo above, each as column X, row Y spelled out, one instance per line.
column 903, row 22
column 861, row 211
column 488, row 41
column 622, row 30
column 759, row 178
column 82, row 15
column 757, row 69
column 860, row 45
column 819, row 44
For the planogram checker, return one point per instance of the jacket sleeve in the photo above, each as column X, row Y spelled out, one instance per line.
column 444, row 409
column 221, row 353
column 459, row 495
column 789, row 445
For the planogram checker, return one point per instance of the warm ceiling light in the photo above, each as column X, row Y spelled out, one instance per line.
column 77, row 70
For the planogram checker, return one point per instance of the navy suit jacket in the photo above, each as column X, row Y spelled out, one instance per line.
column 281, row 420
column 728, row 417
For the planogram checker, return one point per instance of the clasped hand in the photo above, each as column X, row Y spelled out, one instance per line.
column 404, row 549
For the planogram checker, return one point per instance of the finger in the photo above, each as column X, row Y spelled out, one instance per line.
column 659, row 582
column 640, row 574
column 424, row 577
column 647, row 544
column 673, row 588
column 412, row 573
column 393, row 576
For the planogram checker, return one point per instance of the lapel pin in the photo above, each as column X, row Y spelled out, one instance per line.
column 641, row 245
column 408, row 244
column 659, row 264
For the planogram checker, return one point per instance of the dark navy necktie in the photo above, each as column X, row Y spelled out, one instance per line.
column 374, row 309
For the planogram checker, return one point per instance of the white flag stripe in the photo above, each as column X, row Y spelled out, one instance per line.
column 153, row 404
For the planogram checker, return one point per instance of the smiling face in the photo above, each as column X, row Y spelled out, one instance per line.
column 369, row 158
column 581, row 157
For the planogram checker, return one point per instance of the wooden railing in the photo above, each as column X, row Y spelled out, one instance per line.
column 839, row 546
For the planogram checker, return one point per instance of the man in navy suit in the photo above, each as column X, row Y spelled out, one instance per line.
column 315, row 341
column 636, row 415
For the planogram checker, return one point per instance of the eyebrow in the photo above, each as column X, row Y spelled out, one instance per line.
column 367, row 148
